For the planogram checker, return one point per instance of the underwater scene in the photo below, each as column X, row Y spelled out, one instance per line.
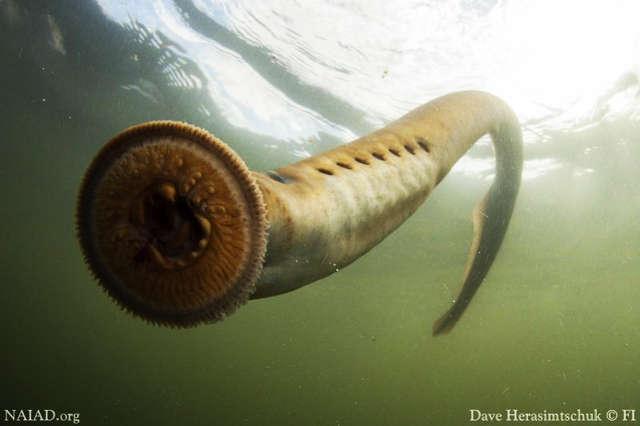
column 343, row 299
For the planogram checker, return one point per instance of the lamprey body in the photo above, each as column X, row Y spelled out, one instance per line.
column 179, row 231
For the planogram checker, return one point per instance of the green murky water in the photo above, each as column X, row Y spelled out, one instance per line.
column 555, row 326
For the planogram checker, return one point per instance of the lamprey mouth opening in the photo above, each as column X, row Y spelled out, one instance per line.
column 177, row 234
column 172, row 224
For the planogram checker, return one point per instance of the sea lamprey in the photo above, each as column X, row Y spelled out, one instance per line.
column 179, row 231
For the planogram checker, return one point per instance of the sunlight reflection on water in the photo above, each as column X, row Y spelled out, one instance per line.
column 266, row 67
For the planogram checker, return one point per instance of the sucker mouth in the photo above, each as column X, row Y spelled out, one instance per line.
column 172, row 224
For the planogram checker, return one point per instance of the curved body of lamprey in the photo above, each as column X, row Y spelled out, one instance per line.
column 179, row 232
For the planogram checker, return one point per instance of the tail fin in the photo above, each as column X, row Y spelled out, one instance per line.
column 491, row 215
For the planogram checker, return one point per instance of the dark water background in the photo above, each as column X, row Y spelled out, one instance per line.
column 554, row 328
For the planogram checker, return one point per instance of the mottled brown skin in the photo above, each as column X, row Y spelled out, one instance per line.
column 337, row 205
column 322, row 213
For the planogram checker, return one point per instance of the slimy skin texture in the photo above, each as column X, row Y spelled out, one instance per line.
column 179, row 232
